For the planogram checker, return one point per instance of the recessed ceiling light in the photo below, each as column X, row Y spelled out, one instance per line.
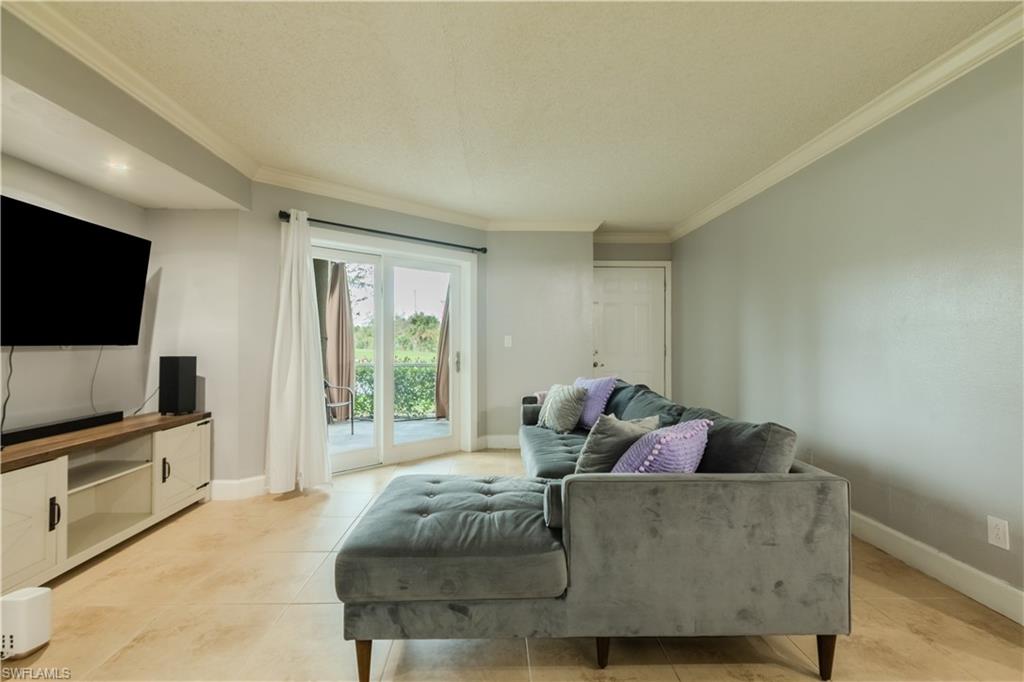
column 119, row 166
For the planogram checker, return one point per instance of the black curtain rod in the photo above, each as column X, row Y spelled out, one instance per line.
column 285, row 215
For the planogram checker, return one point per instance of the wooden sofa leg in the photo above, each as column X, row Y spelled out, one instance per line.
column 603, row 644
column 363, row 649
column 826, row 654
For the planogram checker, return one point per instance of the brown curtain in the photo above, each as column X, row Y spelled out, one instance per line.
column 341, row 342
column 441, row 385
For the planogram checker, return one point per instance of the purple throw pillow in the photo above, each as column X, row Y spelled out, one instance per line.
column 670, row 450
column 598, row 392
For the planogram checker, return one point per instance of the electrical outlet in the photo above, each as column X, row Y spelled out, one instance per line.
column 998, row 532
column 508, row 341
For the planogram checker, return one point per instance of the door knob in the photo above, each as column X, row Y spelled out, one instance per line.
column 595, row 363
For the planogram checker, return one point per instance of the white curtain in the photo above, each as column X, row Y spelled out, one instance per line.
column 296, row 427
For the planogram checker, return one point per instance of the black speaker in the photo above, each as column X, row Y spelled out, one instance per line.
column 177, row 384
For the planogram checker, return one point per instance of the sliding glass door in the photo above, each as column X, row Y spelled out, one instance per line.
column 348, row 289
column 389, row 356
column 423, row 356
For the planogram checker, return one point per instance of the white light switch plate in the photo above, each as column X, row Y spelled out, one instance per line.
column 508, row 341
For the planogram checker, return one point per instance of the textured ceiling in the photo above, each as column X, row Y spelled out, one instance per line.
column 634, row 114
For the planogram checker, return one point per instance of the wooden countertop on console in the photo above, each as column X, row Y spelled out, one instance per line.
column 31, row 452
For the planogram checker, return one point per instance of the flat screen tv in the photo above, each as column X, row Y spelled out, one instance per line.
column 68, row 282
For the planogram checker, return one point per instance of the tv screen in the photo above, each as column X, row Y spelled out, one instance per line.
column 68, row 282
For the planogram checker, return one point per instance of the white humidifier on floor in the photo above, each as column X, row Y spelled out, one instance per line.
column 25, row 621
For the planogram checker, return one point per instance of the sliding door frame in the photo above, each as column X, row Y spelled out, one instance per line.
column 465, row 435
column 355, row 459
column 431, row 446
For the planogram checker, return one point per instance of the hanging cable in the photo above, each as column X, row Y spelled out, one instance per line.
column 92, row 384
column 10, row 373
column 139, row 409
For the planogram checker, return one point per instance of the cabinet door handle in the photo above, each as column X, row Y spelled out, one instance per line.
column 54, row 513
column 165, row 471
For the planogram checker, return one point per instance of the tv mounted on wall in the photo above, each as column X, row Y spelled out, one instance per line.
column 68, row 282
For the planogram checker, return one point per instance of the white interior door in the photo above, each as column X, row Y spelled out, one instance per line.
column 629, row 324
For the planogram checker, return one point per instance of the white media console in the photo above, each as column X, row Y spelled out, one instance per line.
column 67, row 498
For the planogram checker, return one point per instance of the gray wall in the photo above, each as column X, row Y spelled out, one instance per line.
column 632, row 251
column 873, row 303
column 197, row 259
column 539, row 292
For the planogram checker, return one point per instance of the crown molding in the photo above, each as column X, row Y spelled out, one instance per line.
column 543, row 226
column 57, row 29
column 305, row 183
column 998, row 36
column 645, row 237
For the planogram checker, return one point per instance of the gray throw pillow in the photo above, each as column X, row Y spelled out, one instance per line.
column 621, row 396
column 738, row 447
column 562, row 408
column 647, row 403
column 609, row 440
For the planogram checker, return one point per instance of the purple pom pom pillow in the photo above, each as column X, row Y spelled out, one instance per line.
column 598, row 393
column 675, row 449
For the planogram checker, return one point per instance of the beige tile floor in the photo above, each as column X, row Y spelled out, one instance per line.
column 243, row 591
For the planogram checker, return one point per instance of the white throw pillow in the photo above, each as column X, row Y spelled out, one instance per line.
column 562, row 408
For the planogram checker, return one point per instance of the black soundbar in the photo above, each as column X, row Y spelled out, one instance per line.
column 27, row 433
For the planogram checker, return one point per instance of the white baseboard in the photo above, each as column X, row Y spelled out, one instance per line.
column 238, row 488
column 994, row 593
column 500, row 442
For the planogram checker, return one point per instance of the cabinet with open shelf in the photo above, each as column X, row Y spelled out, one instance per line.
column 103, row 510
column 68, row 498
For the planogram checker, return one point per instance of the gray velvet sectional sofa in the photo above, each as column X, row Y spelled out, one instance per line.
column 754, row 543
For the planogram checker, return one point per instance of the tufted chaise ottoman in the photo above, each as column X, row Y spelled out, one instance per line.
column 456, row 540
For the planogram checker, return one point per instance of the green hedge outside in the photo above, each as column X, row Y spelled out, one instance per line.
column 414, row 391
column 364, row 391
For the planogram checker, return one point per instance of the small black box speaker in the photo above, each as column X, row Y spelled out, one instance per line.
column 177, row 384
